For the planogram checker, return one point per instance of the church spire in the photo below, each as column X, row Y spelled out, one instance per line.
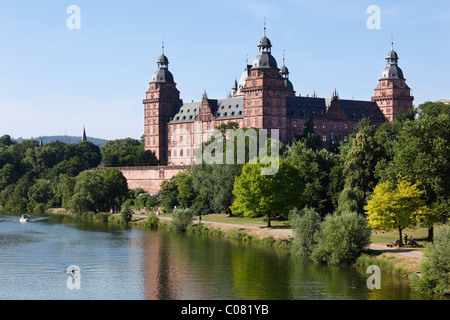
column 84, row 138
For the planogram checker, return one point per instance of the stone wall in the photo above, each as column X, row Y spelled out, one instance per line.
column 149, row 178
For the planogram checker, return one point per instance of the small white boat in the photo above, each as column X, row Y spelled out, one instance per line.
column 24, row 218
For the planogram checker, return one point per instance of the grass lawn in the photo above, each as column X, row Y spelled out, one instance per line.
column 419, row 234
column 254, row 222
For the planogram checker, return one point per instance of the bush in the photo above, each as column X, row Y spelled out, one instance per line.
column 341, row 239
column 182, row 218
column 435, row 269
column 126, row 215
column 39, row 208
column 152, row 222
column 102, row 216
column 305, row 224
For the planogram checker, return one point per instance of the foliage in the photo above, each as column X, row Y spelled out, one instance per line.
column 396, row 206
column 271, row 195
column 152, row 222
column 422, row 153
column 126, row 152
column 213, row 185
column 126, row 215
column 341, row 239
column 433, row 109
column 308, row 137
column 435, row 269
column 361, row 161
column 352, row 200
column 181, row 219
column 305, row 224
column 98, row 191
column 315, row 168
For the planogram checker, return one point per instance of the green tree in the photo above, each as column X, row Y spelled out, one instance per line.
column 396, row 206
column 270, row 195
column 126, row 152
column 169, row 194
column 181, row 219
column 341, row 238
column 309, row 137
column 186, row 194
column 361, row 161
column 422, row 153
column 435, row 268
column 315, row 168
column 433, row 109
column 115, row 188
column 351, row 200
column 305, row 224
column 89, row 192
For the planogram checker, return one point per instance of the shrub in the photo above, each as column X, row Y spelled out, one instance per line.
column 152, row 222
column 102, row 216
column 305, row 224
column 341, row 239
column 126, row 215
column 181, row 219
column 39, row 208
column 435, row 269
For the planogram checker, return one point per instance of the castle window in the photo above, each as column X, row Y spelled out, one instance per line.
column 181, row 152
column 174, row 153
column 294, row 124
column 324, row 138
column 335, row 126
column 345, row 126
column 324, row 126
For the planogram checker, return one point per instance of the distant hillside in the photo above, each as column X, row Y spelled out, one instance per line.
column 66, row 139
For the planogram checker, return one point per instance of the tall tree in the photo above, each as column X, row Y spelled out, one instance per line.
column 422, row 153
column 361, row 161
column 396, row 206
column 270, row 195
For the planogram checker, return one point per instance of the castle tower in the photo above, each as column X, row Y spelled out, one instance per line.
column 162, row 98
column 392, row 93
column 265, row 92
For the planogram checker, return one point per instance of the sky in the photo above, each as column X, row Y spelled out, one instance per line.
column 56, row 79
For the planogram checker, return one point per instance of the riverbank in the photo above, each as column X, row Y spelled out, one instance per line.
column 399, row 261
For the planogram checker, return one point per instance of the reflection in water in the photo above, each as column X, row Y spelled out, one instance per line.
column 119, row 262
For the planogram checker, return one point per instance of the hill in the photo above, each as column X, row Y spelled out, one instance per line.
column 66, row 139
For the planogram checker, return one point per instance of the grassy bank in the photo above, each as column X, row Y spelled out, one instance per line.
column 253, row 230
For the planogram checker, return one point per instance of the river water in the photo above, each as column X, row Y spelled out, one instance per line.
column 130, row 263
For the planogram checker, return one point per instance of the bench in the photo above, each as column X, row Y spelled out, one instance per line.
column 391, row 245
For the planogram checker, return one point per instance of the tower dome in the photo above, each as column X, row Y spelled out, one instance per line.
column 162, row 74
column 264, row 59
column 392, row 70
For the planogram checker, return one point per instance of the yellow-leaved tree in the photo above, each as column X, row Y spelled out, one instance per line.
column 396, row 206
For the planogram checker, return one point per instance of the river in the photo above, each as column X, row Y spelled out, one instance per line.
column 130, row 263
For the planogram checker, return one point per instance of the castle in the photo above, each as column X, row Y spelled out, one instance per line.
column 264, row 97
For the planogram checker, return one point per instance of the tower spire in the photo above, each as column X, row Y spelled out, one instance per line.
column 264, row 26
column 163, row 45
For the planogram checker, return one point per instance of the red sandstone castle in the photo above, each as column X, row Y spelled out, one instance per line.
column 264, row 98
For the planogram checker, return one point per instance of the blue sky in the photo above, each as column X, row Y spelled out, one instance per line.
column 54, row 81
